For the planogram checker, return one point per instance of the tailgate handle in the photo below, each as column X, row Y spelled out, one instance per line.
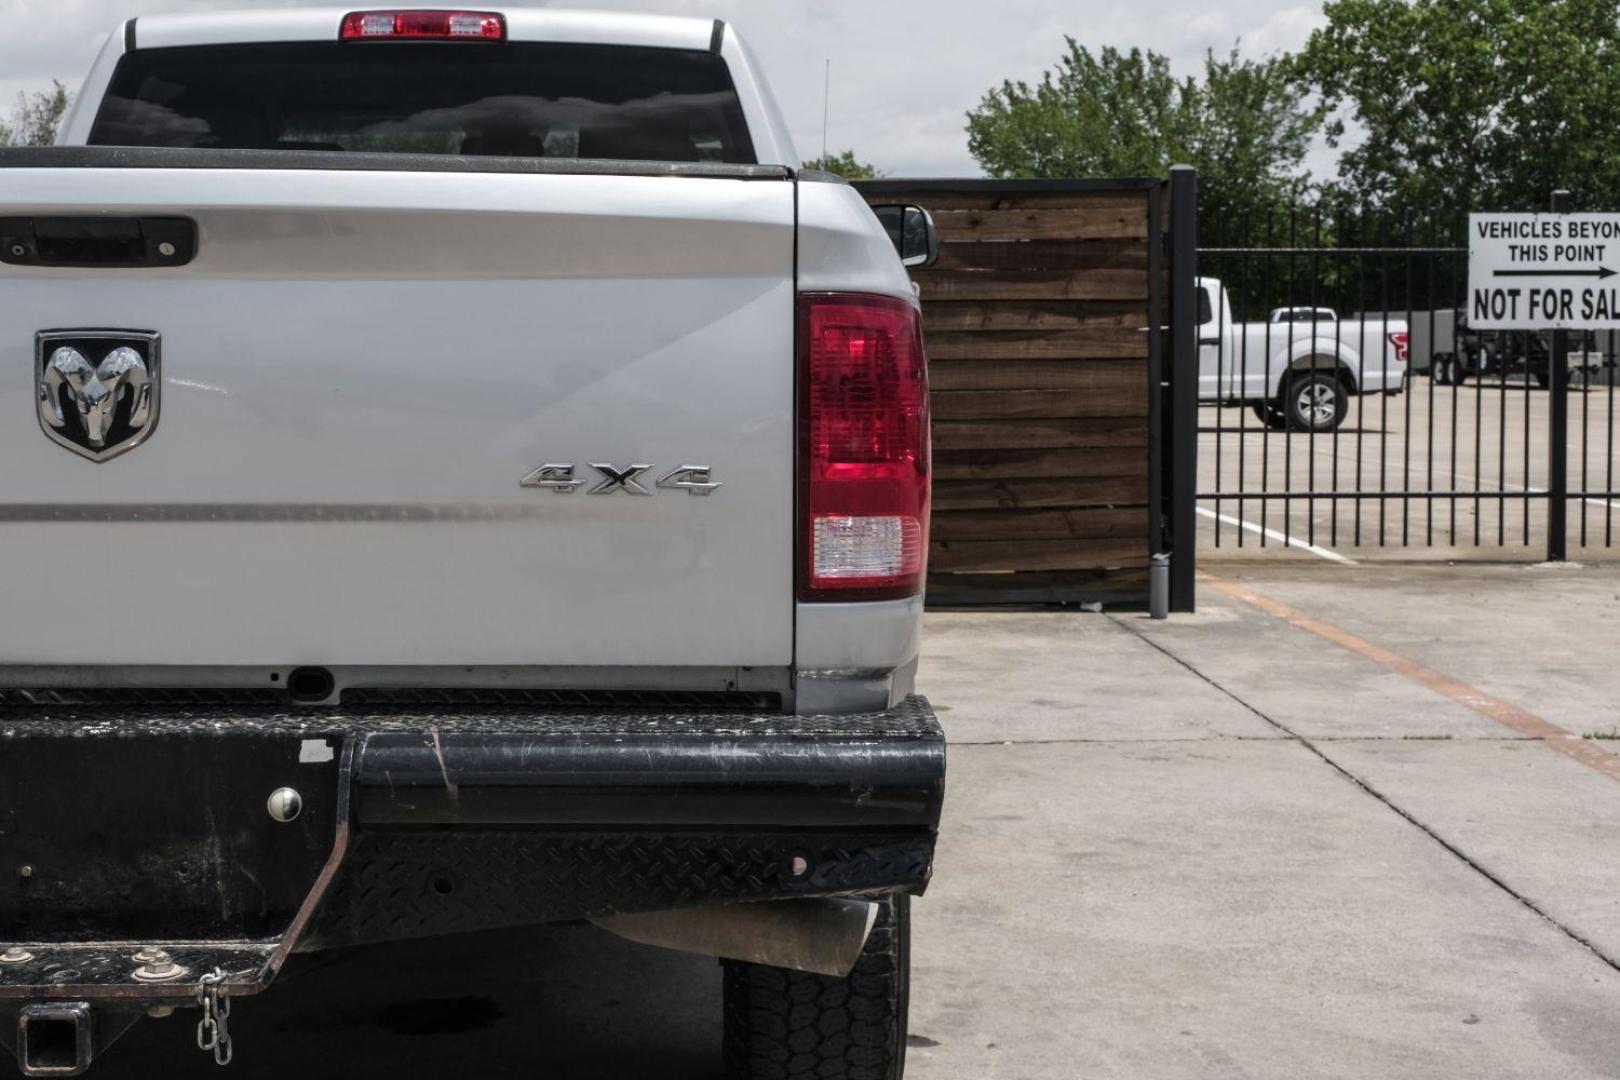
column 98, row 242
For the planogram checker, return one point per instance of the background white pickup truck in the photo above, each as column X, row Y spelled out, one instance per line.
column 460, row 470
column 1299, row 370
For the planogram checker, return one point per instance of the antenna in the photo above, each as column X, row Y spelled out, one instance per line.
column 826, row 108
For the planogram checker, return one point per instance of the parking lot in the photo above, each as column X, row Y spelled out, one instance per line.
column 1480, row 449
column 1353, row 831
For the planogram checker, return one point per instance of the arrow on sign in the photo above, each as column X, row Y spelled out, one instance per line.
column 1601, row 273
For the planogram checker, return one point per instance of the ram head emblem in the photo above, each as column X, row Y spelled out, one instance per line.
column 98, row 392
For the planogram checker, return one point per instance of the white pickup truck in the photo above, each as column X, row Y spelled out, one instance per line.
column 460, row 473
column 1299, row 370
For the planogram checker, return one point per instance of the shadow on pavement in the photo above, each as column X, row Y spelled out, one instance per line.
column 558, row 1002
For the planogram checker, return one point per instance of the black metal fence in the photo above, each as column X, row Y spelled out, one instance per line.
column 1347, row 406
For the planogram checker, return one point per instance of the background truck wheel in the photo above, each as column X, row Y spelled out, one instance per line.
column 1271, row 415
column 1316, row 401
column 788, row 1025
column 1447, row 370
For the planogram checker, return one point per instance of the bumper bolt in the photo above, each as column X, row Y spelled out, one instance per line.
column 285, row 805
column 25, row 871
column 16, row 956
column 156, row 966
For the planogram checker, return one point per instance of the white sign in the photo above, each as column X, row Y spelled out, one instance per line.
column 1544, row 271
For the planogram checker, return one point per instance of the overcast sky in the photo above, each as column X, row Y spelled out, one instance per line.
column 904, row 71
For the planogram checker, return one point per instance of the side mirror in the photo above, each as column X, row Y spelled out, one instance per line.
column 911, row 230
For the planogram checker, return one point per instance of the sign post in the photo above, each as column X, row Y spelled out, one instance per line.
column 1558, row 428
column 1534, row 272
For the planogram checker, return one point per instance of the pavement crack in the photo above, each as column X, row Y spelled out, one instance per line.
column 1405, row 815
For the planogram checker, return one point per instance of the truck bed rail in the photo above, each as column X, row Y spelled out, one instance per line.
column 152, row 157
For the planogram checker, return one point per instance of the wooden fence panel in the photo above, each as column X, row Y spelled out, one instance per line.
column 1037, row 316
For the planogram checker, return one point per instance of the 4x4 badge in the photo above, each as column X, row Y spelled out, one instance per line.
column 692, row 479
column 98, row 391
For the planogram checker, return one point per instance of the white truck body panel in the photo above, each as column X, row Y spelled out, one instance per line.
column 360, row 368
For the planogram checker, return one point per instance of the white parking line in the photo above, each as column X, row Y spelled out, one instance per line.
column 1520, row 488
column 1273, row 534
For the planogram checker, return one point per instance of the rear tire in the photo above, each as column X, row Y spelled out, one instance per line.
column 791, row 1025
column 1316, row 401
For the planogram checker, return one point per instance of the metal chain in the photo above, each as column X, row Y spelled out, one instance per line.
column 213, row 1030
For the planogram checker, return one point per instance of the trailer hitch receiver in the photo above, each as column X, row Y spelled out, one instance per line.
column 54, row 1038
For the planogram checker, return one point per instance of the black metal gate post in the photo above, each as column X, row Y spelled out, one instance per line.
column 1558, row 430
column 1182, row 409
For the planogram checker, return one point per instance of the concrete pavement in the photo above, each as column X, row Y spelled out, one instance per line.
column 1219, row 846
column 1490, row 439
column 1256, row 854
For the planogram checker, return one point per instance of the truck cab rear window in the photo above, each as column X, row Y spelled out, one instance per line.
column 512, row 100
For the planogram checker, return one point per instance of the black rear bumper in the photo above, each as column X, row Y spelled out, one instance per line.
column 583, row 816
column 151, row 825
column 875, row 770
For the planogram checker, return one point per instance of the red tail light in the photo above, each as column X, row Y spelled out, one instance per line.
column 422, row 25
column 865, row 456
column 1402, row 343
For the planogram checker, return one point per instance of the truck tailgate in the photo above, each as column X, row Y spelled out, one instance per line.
column 358, row 371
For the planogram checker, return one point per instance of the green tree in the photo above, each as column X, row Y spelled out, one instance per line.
column 1245, row 125
column 34, row 118
column 1472, row 104
column 846, row 165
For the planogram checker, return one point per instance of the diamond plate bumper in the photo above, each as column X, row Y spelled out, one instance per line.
column 149, row 826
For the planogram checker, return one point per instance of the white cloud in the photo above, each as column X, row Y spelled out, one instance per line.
column 905, row 72
column 1286, row 30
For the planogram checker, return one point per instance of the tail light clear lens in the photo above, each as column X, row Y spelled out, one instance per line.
column 865, row 456
column 422, row 25
column 1403, row 346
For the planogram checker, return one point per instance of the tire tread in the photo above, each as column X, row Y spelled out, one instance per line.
column 792, row 1025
